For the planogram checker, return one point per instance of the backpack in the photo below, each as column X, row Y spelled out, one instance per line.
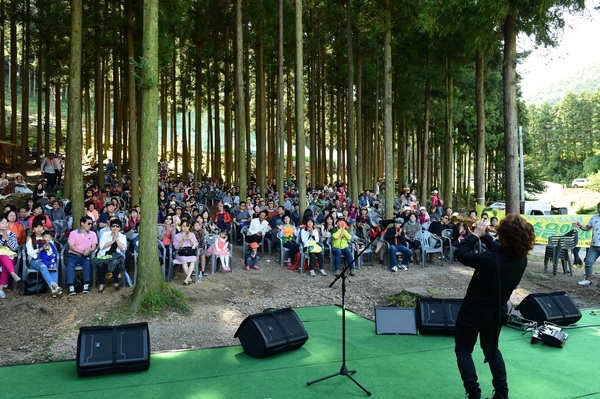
column 78, row 283
column 33, row 284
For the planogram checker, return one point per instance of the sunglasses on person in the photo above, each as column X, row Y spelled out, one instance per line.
column 115, row 225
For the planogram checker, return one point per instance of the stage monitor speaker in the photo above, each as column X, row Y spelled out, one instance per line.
column 113, row 349
column 437, row 316
column 555, row 307
column 390, row 320
column 271, row 332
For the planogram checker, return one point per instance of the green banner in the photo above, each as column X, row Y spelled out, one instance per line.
column 549, row 225
column 558, row 225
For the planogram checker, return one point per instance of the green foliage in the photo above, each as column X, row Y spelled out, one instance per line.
column 157, row 302
column 586, row 79
column 566, row 137
column 594, row 182
column 404, row 299
column 142, row 73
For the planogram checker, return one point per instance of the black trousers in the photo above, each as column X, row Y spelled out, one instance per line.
column 476, row 320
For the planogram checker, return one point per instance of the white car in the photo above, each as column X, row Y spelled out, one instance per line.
column 580, row 183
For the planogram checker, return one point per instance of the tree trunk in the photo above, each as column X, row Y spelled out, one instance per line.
column 261, row 116
column 13, row 79
column 447, row 184
column 351, row 144
column 299, row 92
column 2, row 75
column 480, row 111
column 511, row 152
column 387, row 114
column 74, row 136
column 150, row 279
column 25, row 88
column 240, row 122
column 134, row 154
column 425, row 151
column 280, row 119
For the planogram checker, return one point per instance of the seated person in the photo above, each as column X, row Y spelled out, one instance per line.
column 310, row 239
column 47, row 251
column 258, row 228
column 111, row 255
column 396, row 238
column 110, row 167
column 340, row 245
column 82, row 243
column 222, row 218
column 252, row 258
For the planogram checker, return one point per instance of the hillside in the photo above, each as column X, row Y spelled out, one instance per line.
column 586, row 78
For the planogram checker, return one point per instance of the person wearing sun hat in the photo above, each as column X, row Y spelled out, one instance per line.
column 340, row 245
column 252, row 258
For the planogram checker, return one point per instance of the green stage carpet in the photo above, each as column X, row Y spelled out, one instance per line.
column 390, row 366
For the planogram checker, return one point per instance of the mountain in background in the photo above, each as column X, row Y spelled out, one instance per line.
column 585, row 79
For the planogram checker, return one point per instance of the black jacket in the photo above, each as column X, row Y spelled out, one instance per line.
column 390, row 237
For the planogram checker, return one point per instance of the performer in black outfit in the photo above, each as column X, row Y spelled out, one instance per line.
column 483, row 311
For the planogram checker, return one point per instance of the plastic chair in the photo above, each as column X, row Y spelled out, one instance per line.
column 430, row 244
column 387, row 250
column 197, row 274
column 561, row 247
column 209, row 240
column 447, row 236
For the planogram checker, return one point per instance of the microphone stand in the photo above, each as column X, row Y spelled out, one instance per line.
column 344, row 369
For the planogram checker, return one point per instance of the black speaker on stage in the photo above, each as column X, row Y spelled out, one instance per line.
column 556, row 307
column 271, row 332
column 113, row 349
column 437, row 316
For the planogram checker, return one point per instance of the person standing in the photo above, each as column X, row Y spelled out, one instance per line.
column 593, row 252
column 484, row 310
column 49, row 169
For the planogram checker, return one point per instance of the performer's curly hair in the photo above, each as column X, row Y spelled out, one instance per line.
column 516, row 234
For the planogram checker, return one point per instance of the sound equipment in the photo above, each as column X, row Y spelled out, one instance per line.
column 550, row 334
column 395, row 321
column 271, row 332
column 437, row 316
column 556, row 307
column 113, row 349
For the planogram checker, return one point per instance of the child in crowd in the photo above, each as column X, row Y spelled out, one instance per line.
column 221, row 249
column 252, row 257
column 48, row 251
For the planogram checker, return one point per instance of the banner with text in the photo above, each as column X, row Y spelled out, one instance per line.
column 549, row 225
column 558, row 225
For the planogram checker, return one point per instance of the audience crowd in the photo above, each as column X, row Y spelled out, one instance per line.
column 191, row 234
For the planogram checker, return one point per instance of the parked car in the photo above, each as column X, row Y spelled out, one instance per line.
column 581, row 182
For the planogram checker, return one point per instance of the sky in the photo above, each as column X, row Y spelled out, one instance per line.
column 577, row 47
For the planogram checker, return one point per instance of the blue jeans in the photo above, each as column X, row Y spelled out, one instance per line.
column 590, row 258
column 406, row 254
column 74, row 260
column 49, row 276
column 337, row 257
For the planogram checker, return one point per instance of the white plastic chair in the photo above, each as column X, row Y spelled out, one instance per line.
column 430, row 244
